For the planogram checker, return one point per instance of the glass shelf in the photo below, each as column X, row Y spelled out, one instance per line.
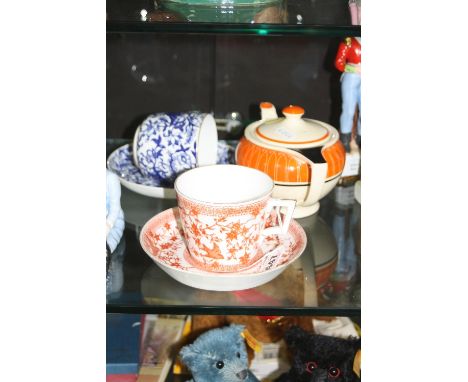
column 255, row 17
column 306, row 287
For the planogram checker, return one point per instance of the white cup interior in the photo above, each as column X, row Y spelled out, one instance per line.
column 207, row 142
column 226, row 184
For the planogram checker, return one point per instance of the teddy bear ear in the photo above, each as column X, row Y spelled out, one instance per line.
column 295, row 336
column 237, row 328
column 355, row 343
column 188, row 355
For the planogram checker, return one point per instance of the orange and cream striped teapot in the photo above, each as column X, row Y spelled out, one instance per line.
column 304, row 157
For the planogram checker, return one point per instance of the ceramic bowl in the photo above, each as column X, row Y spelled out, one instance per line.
column 167, row 144
column 229, row 11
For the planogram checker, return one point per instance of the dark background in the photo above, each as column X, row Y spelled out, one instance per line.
column 220, row 74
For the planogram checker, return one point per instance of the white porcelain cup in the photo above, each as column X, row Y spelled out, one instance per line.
column 224, row 210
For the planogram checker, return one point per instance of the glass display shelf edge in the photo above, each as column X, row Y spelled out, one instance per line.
column 237, row 310
column 233, row 29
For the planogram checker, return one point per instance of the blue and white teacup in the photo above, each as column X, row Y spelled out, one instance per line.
column 167, row 144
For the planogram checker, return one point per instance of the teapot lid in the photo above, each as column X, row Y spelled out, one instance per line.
column 293, row 130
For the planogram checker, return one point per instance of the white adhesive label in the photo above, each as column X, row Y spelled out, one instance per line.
column 352, row 163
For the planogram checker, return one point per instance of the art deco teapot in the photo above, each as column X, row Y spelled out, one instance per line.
column 304, row 157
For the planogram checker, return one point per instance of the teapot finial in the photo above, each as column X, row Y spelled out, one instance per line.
column 268, row 111
column 293, row 110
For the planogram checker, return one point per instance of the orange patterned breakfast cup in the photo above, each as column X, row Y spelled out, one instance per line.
column 223, row 211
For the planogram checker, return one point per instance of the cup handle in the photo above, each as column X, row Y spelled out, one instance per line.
column 283, row 224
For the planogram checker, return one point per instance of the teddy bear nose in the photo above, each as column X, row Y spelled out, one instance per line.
column 320, row 375
column 242, row 374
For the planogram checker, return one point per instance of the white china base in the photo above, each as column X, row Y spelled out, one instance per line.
column 151, row 191
column 220, row 283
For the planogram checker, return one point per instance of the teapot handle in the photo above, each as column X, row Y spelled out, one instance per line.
column 319, row 175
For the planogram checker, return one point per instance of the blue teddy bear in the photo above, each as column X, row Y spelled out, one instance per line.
column 218, row 355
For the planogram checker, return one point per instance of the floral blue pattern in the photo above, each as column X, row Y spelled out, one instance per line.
column 121, row 163
column 227, row 152
column 166, row 145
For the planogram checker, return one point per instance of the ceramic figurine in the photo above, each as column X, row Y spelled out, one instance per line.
column 304, row 157
column 355, row 11
column 167, row 144
column 115, row 223
column 348, row 61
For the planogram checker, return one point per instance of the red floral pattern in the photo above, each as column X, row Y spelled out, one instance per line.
column 223, row 238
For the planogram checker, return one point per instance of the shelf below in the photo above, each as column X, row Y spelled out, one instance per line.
column 140, row 286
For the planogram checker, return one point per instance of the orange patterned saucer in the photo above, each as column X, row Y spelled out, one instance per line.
column 162, row 238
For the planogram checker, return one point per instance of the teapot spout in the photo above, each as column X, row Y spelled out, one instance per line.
column 268, row 111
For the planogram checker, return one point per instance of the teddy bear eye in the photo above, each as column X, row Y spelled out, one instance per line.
column 220, row 364
column 334, row 372
column 238, row 355
column 310, row 366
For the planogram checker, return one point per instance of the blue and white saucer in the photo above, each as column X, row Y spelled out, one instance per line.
column 120, row 162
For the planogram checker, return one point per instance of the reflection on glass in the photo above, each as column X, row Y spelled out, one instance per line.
column 323, row 245
column 342, row 228
column 115, row 274
column 285, row 290
column 343, row 283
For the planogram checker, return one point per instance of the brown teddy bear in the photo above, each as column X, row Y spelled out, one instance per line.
column 286, row 289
